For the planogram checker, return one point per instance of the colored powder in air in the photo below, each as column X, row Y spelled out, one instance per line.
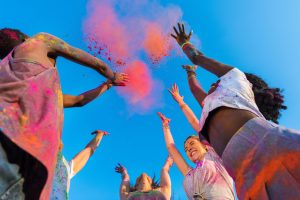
column 156, row 44
column 140, row 84
column 121, row 32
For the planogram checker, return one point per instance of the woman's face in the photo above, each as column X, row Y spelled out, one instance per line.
column 194, row 149
column 143, row 182
column 213, row 87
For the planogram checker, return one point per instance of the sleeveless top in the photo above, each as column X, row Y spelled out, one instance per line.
column 151, row 195
column 209, row 180
column 233, row 91
column 63, row 175
column 31, row 110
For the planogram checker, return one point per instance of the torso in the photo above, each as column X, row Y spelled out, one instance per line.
column 223, row 123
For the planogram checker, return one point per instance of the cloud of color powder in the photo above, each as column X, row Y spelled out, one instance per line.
column 131, row 33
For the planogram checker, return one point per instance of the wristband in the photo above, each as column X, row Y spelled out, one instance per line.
column 182, row 46
column 182, row 105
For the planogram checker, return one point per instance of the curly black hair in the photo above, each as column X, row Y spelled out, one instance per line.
column 9, row 39
column 270, row 101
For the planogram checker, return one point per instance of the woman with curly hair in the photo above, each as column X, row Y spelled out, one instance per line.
column 146, row 187
column 31, row 109
column 262, row 157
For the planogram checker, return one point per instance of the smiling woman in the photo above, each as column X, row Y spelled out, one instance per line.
column 209, row 179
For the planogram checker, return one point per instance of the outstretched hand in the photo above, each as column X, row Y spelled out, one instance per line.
column 169, row 162
column 164, row 119
column 120, row 79
column 174, row 91
column 120, row 169
column 180, row 36
column 100, row 133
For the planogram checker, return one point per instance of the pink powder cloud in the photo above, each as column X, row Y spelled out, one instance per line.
column 121, row 32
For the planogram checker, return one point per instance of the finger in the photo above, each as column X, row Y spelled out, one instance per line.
column 175, row 30
column 184, row 66
column 182, row 25
column 174, row 36
column 94, row 132
column 179, row 27
column 190, row 34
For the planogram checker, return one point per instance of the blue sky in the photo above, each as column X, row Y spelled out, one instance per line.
column 260, row 37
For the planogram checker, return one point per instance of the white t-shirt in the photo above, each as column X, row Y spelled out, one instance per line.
column 233, row 91
column 61, row 181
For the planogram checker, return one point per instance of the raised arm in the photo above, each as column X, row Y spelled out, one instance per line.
column 87, row 97
column 189, row 114
column 80, row 160
column 125, row 184
column 198, row 58
column 165, row 180
column 173, row 151
column 194, row 84
column 58, row 47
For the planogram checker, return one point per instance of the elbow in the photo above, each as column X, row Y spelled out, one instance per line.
column 80, row 101
column 170, row 147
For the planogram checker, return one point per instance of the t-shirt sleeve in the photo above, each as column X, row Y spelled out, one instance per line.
column 71, row 172
column 237, row 81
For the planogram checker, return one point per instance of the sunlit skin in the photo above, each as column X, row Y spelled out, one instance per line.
column 144, row 182
column 194, row 149
column 82, row 157
column 226, row 121
column 45, row 48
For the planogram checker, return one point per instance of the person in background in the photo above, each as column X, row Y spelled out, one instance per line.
column 145, row 187
column 65, row 170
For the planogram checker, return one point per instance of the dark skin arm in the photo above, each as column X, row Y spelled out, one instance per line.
column 194, row 84
column 86, row 97
column 198, row 58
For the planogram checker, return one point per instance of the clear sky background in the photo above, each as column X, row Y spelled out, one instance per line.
column 261, row 37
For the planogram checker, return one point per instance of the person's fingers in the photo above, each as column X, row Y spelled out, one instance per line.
column 175, row 31
column 174, row 36
column 182, row 26
column 171, row 92
column 179, row 27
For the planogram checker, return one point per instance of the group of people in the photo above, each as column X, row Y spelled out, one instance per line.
column 239, row 151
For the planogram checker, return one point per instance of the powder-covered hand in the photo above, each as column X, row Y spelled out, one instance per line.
column 120, row 169
column 180, row 36
column 120, row 79
column 164, row 119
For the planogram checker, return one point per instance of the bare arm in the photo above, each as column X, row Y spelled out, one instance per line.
column 194, row 84
column 215, row 67
column 125, row 184
column 58, row 47
column 86, row 97
column 189, row 114
column 80, row 160
column 165, row 180
column 173, row 151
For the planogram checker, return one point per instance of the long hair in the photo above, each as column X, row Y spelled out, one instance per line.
column 270, row 101
column 9, row 39
column 154, row 185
